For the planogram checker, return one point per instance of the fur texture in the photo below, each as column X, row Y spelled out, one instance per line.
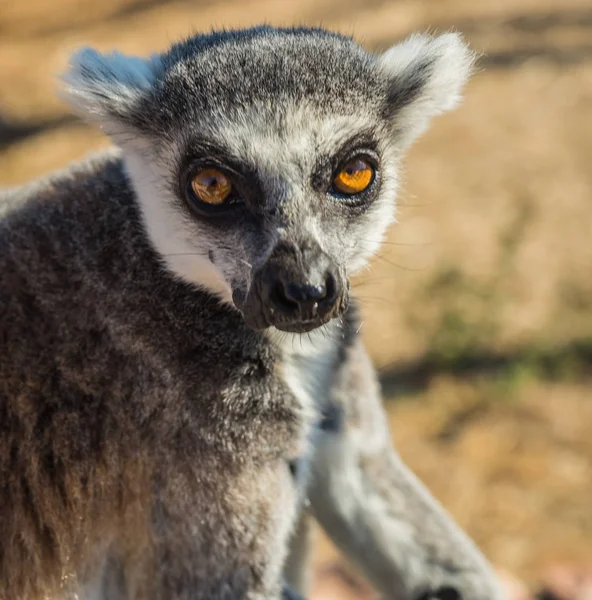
column 123, row 393
column 159, row 431
column 280, row 105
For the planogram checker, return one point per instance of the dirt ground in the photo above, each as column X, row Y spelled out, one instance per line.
column 478, row 311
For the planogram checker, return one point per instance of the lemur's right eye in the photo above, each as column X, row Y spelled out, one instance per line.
column 211, row 186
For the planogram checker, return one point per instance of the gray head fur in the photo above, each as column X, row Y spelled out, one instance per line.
column 282, row 110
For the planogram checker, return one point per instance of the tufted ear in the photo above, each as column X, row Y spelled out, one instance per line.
column 426, row 76
column 105, row 88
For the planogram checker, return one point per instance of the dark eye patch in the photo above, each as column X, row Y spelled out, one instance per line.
column 201, row 154
column 362, row 143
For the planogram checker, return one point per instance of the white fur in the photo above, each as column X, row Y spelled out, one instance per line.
column 290, row 159
column 309, row 358
column 101, row 86
column 176, row 240
column 307, row 370
column 452, row 64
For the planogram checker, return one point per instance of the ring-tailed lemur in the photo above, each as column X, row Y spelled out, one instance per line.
column 180, row 364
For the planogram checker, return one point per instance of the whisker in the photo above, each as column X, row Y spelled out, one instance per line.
column 367, row 282
column 390, row 262
column 387, row 243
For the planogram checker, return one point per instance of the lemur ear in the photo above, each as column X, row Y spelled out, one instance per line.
column 104, row 88
column 426, row 75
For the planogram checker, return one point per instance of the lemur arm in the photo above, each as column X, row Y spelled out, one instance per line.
column 377, row 511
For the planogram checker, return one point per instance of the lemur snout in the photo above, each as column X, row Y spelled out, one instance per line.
column 298, row 289
column 302, row 298
column 303, row 294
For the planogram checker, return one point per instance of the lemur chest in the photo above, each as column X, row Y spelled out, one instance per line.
column 257, row 409
column 307, row 371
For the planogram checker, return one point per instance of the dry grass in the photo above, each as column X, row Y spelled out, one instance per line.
column 490, row 261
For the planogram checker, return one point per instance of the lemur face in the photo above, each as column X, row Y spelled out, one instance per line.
column 285, row 202
column 265, row 161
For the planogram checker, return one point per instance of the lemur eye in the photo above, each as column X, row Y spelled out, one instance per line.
column 355, row 177
column 211, row 186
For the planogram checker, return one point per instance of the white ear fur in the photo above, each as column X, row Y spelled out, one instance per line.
column 102, row 87
column 427, row 75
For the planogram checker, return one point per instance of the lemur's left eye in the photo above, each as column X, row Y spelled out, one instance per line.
column 355, row 177
column 211, row 186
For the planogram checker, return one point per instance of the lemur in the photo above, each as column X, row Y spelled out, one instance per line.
column 183, row 385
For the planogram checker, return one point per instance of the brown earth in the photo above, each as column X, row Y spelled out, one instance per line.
column 479, row 309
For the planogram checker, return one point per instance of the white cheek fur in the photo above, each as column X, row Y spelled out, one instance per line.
column 178, row 242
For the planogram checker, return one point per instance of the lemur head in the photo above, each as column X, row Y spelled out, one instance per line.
column 265, row 160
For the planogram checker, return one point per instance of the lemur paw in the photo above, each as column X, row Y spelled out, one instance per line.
column 289, row 594
column 443, row 593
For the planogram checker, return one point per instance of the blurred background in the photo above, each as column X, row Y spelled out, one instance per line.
column 478, row 311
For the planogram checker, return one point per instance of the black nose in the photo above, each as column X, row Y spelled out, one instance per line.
column 305, row 296
column 297, row 289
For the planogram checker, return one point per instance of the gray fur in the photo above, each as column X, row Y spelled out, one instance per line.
column 120, row 403
column 159, row 430
column 377, row 511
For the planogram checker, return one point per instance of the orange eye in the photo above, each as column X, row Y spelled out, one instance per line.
column 211, row 186
column 354, row 178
